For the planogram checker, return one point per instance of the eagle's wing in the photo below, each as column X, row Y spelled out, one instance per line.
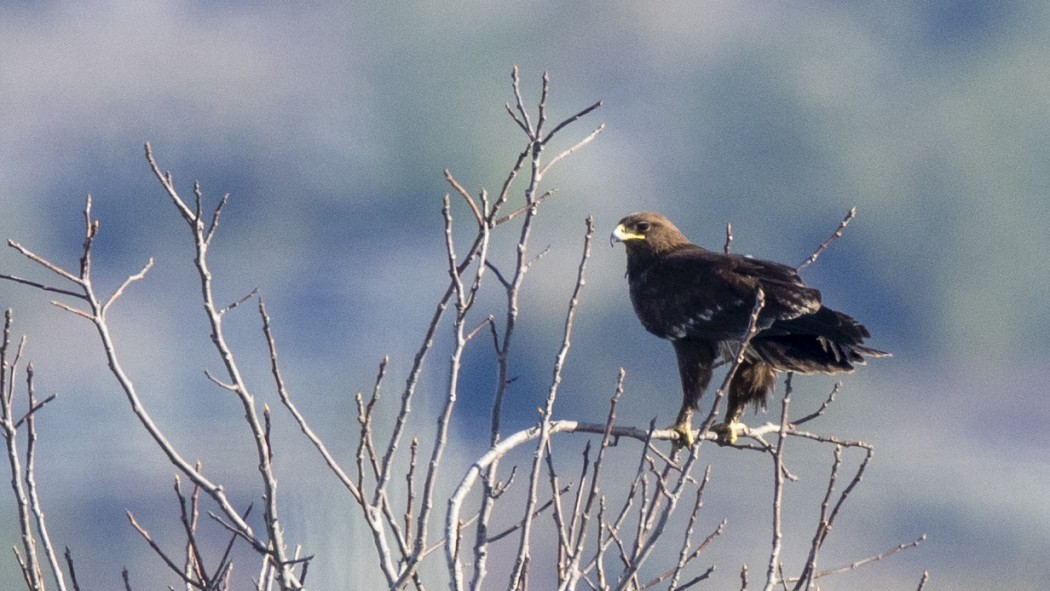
column 786, row 296
column 696, row 294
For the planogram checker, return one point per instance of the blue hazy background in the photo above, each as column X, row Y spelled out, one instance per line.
column 330, row 124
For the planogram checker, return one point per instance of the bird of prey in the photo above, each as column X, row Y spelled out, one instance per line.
column 702, row 301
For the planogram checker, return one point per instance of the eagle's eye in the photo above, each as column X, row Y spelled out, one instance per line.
column 642, row 227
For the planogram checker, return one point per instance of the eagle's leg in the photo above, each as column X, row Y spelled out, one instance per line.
column 683, row 426
column 751, row 384
column 695, row 360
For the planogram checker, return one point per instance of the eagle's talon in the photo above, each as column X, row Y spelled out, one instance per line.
column 685, row 438
column 728, row 433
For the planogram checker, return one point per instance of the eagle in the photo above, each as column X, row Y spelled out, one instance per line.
column 702, row 301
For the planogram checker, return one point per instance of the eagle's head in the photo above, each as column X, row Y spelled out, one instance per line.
column 647, row 232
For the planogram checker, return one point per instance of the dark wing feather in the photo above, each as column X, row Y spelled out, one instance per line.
column 698, row 294
column 786, row 296
column 826, row 341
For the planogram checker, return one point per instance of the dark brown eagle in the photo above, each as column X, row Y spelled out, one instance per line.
column 702, row 302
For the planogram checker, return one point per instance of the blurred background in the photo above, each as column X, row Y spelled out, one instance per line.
column 329, row 124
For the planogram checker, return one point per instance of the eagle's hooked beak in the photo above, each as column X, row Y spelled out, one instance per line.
column 620, row 234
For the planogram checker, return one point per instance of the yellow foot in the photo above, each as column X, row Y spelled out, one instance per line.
column 686, row 438
column 727, row 433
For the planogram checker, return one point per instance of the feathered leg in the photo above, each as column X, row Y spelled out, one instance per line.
column 752, row 383
column 695, row 360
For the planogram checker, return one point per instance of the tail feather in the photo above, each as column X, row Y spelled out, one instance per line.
column 823, row 342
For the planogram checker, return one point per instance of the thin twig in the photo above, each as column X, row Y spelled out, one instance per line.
column 47, row 265
column 778, row 491
column 251, row 294
column 72, row 569
column 73, row 310
column 573, row 119
column 518, row 574
column 922, row 581
column 123, row 286
column 40, row 285
column 581, row 518
column 36, row 406
column 188, row 515
column 684, row 555
column 823, row 407
column 30, row 563
column 571, row 150
column 823, row 524
column 859, row 563
column 525, row 122
column 160, row 552
column 478, row 217
column 214, row 224
column 274, row 544
column 834, row 236
column 31, row 487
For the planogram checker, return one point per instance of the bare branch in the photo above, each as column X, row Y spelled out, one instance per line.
column 160, row 552
column 38, row 285
column 251, row 294
column 510, row 111
column 778, row 491
column 541, row 108
column 504, row 193
column 572, row 120
column 73, row 310
column 30, row 563
column 525, row 122
column 684, row 555
column 47, row 265
column 214, row 225
column 34, row 407
column 211, row 377
column 823, row 407
column 575, row 147
column 523, row 209
column 581, row 517
column 523, row 547
column 300, row 420
column 478, row 217
column 539, row 511
column 31, row 486
column 834, row 236
column 72, row 570
column 859, row 563
column 169, row 187
column 123, row 286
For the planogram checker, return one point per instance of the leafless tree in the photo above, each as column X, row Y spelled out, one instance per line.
column 596, row 531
